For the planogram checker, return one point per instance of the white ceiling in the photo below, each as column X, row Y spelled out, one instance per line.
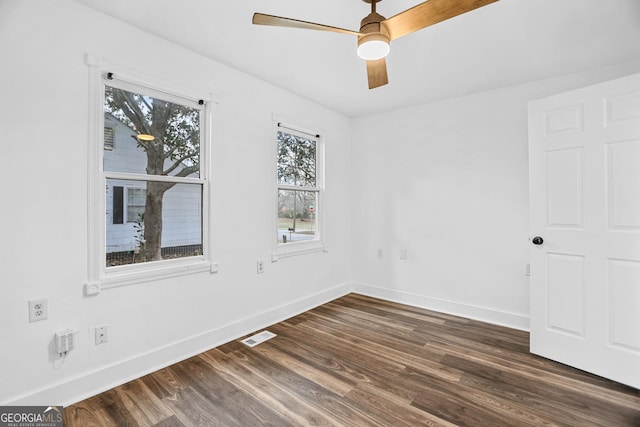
column 505, row 43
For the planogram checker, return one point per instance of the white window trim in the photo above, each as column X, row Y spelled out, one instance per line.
column 284, row 250
column 99, row 277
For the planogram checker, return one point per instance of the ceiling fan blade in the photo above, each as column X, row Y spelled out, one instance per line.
column 428, row 13
column 377, row 73
column 278, row 21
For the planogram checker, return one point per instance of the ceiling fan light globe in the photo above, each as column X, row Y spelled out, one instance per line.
column 373, row 46
column 375, row 49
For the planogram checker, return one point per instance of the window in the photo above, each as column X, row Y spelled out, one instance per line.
column 299, row 207
column 136, row 200
column 109, row 136
column 153, row 185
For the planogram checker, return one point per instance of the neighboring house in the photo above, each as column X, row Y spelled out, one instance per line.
column 125, row 200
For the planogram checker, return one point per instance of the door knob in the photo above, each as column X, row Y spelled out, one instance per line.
column 537, row 240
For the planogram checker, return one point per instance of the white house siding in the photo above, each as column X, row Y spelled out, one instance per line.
column 125, row 156
column 181, row 215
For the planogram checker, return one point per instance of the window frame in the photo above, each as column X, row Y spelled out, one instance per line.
column 99, row 276
column 283, row 250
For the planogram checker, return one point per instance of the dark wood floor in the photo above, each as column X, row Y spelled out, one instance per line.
column 359, row 361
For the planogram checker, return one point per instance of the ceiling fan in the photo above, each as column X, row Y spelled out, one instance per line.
column 376, row 31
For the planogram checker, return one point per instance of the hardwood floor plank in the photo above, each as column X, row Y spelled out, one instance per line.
column 571, row 384
column 143, row 405
column 223, row 395
column 293, row 409
column 544, row 403
column 382, row 327
column 164, row 383
column 382, row 307
column 194, row 409
column 307, row 370
column 366, row 342
column 172, row 421
column 394, row 412
column 461, row 411
column 360, row 370
column 351, row 312
column 361, row 361
column 230, row 347
column 502, row 410
column 319, row 358
column 320, row 398
column 84, row 415
column 118, row 415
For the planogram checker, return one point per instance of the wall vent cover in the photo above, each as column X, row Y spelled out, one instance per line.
column 258, row 338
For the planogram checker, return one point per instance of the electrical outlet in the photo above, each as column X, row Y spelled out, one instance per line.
column 403, row 254
column 380, row 253
column 38, row 309
column 102, row 334
column 260, row 266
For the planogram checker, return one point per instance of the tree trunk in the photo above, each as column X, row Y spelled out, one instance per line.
column 153, row 220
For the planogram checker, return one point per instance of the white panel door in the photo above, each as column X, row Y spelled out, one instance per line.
column 584, row 170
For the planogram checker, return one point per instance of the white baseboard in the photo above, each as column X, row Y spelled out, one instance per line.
column 511, row 320
column 107, row 377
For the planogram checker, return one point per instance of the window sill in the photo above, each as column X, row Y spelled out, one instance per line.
column 126, row 275
column 299, row 248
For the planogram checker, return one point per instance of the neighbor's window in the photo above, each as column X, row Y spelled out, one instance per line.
column 136, row 202
column 109, row 135
column 298, row 187
column 153, row 185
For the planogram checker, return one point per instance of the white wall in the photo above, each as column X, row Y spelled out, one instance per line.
column 44, row 103
column 448, row 182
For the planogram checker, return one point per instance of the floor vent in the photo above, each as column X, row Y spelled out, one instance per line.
column 258, row 338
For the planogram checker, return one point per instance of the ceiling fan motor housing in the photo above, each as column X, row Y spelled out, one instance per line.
column 373, row 29
column 372, row 24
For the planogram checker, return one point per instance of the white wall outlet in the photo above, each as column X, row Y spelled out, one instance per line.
column 403, row 254
column 38, row 309
column 380, row 253
column 102, row 334
column 260, row 266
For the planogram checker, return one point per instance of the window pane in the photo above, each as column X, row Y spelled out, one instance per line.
column 153, row 136
column 136, row 196
column 135, row 213
column 136, row 200
column 297, row 214
column 296, row 160
column 179, row 230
